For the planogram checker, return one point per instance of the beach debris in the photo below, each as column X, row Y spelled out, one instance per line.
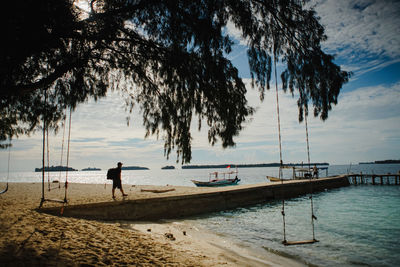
column 157, row 190
column 149, row 230
column 184, row 232
column 170, row 236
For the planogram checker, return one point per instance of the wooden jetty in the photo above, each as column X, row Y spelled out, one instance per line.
column 374, row 179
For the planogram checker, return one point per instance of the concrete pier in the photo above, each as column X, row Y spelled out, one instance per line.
column 202, row 200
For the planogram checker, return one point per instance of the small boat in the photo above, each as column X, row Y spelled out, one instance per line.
column 215, row 181
column 274, row 179
column 219, row 182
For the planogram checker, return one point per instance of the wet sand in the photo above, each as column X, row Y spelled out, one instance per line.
column 31, row 238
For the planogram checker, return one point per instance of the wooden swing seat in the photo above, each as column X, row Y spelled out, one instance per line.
column 56, row 200
column 302, row 242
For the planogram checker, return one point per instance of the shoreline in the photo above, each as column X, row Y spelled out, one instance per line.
column 225, row 251
column 35, row 238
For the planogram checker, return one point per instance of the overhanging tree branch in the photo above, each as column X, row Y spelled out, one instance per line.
column 174, row 55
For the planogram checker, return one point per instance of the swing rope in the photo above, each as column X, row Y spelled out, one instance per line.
column 62, row 148
column 8, row 169
column 280, row 145
column 43, row 148
column 308, row 145
column 69, row 140
column 48, row 158
column 313, row 217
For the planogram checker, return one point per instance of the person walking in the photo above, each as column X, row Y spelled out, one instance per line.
column 117, row 181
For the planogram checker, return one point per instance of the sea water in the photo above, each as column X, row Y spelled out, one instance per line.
column 356, row 225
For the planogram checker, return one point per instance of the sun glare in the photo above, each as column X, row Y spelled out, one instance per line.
column 84, row 8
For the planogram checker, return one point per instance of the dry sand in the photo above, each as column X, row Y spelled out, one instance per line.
column 31, row 238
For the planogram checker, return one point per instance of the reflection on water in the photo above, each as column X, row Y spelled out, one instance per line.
column 355, row 226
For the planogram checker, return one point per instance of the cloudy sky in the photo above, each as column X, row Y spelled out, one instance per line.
column 364, row 126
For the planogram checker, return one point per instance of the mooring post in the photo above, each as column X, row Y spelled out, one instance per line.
column 381, row 179
column 373, row 179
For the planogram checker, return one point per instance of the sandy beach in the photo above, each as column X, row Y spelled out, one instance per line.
column 29, row 237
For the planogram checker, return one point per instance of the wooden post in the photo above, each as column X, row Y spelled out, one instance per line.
column 373, row 179
column 381, row 179
column 388, row 182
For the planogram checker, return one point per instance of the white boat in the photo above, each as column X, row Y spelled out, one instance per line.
column 219, row 179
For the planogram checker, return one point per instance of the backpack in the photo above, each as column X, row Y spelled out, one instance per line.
column 112, row 173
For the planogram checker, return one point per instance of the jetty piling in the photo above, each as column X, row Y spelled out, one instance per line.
column 374, row 179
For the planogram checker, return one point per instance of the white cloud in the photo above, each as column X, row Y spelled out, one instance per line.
column 363, row 34
column 361, row 30
column 236, row 33
column 364, row 126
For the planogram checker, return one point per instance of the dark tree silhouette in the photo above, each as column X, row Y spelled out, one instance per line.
column 170, row 56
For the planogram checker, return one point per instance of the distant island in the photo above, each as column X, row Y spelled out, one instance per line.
column 55, row 169
column 260, row 165
column 168, row 168
column 134, row 168
column 91, row 169
column 388, row 161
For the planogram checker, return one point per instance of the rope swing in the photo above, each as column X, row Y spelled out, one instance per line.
column 284, row 241
column 313, row 217
column 45, row 138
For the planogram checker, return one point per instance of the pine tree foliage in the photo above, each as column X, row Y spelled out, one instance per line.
column 170, row 56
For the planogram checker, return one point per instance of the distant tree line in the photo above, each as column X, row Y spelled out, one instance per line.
column 55, row 169
column 134, row 168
